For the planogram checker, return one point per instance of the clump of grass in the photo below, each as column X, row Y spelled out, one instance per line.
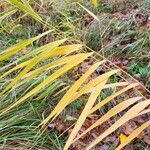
column 140, row 70
column 121, row 33
column 20, row 126
column 107, row 36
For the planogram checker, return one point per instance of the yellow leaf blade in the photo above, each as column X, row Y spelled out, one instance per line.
column 17, row 47
column 59, row 62
column 48, row 80
column 84, row 113
column 68, row 96
column 15, row 68
column 112, row 85
column 60, row 50
column 108, row 99
column 50, row 51
column 144, row 112
column 94, row 82
column 26, row 8
column 133, row 135
column 115, row 110
column 133, row 112
column 88, row 11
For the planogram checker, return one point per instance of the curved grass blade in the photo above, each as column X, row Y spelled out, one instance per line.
column 130, row 114
column 112, row 85
column 86, row 88
column 95, row 93
column 88, row 11
column 144, row 112
column 133, row 135
column 62, row 50
column 60, row 62
column 48, row 80
column 67, row 49
column 69, row 95
column 17, row 47
column 26, row 8
column 6, row 15
column 109, row 98
column 115, row 110
column 49, row 52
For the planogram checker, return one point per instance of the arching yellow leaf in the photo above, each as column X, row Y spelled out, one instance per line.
column 17, row 47
column 133, row 135
column 131, row 113
column 118, row 108
column 69, row 95
column 109, row 98
column 91, row 13
column 84, row 113
column 49, row 79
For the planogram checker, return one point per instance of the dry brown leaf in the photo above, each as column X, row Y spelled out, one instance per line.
column 146, row 139
column 60, row 126
column 141, row 119
column 87, row 19
column 129, row 127
column 103, row 147
column 78, row 147
column 112, row 139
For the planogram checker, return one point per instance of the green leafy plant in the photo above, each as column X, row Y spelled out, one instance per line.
column 140, row 71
